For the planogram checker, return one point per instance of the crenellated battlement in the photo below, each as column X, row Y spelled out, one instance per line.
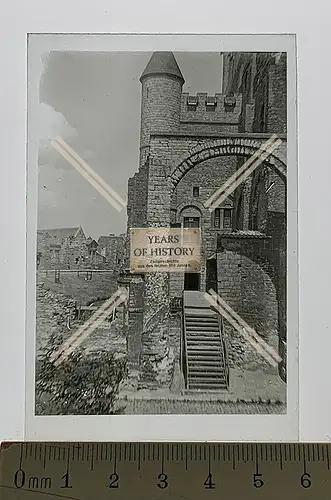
column 210, row 108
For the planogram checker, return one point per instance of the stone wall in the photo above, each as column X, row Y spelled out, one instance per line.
column 160, row 108
column 249, row 291
column 219, row 108
column 207, row 176
column 74, row 284
column 204, row 128
column 55, row 314
column 56, row 317
column 68, row 253
column 277, row 92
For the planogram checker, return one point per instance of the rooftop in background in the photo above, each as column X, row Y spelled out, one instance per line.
column 61, row 232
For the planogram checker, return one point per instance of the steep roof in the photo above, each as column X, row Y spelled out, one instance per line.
column 162, row 63
column 104, row 240
column 61, row 232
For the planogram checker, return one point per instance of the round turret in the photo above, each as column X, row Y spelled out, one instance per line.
column 162, row 83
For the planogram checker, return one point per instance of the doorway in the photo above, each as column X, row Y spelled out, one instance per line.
column 191, row 280
column 211, row 274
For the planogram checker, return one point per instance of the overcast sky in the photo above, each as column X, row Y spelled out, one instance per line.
column 92, row 100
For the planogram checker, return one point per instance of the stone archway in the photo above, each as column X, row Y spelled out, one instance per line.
column 233, row 146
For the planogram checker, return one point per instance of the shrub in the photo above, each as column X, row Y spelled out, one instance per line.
column 80, row 385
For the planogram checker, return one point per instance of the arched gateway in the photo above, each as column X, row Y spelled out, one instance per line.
column 244, row 146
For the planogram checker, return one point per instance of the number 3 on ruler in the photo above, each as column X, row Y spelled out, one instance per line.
column 163, row 481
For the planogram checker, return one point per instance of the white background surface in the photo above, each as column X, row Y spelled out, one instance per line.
column 312, row 26
column 160, row 427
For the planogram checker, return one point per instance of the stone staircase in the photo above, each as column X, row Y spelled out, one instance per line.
column 205, row 354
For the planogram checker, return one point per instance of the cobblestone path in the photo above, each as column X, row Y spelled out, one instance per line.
column 173, row 407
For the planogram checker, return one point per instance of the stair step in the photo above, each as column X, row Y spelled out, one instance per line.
column 204, row 364
column 201, row 319
column 193, row 320
column 202, row 349
column 200, row 326
column 205, row 361
column 206, row 369
column 217, row 375
column 201, row 331
column 199, row 311
column 206, row 381
column 203, row 334
column 217, row 387
column 203, row 345
column 204, row 338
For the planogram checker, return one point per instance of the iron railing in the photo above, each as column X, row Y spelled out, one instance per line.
column 224, row 350
column 183, row 347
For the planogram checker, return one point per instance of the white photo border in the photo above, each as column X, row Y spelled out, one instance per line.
column 165, row 427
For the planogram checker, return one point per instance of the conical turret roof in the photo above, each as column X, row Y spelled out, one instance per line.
column 162, row 63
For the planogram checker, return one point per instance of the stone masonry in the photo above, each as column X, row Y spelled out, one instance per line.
column 189, row 146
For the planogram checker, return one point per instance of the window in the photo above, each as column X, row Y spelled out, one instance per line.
column 223, row 218
column 196, row 192
column 227, row 218
column 217, row 217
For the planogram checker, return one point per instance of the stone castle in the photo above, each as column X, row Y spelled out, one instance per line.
column 189, row 146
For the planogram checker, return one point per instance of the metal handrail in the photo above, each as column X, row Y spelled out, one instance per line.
column 224, row 350
column 184, row 347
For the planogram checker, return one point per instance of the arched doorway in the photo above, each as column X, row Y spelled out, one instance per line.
column 190, row 217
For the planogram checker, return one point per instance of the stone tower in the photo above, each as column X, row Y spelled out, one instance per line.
column 162, row 83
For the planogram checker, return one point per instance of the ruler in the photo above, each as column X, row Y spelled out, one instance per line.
column 156, row 471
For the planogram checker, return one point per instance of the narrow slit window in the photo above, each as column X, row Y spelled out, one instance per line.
column 196, row 192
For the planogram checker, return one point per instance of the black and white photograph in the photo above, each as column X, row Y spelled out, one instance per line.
column 161, row 232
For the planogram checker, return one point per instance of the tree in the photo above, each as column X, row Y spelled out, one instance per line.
column 80, row 385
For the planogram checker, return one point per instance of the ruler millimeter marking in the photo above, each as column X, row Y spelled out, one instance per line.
column 153, row 471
